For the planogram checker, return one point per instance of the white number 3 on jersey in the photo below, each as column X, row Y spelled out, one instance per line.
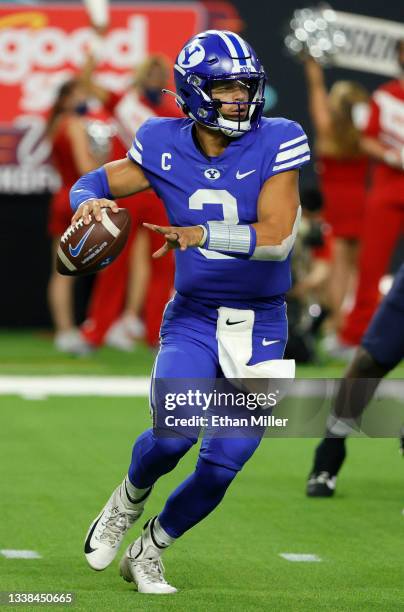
column 230, row 214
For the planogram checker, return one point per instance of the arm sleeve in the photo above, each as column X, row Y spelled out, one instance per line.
column 291, row 151
column 91, row 186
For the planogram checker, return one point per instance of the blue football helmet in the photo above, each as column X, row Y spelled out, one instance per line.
column 217, row 55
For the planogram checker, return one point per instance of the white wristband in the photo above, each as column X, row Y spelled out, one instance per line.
column 230, row 238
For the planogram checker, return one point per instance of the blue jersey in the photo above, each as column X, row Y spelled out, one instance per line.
column 196, row 189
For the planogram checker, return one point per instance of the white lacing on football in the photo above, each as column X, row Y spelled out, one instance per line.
column 72, row 228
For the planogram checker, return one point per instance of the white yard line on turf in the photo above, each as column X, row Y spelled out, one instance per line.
column 20, row 554
column 300, row 558
column 39, row 387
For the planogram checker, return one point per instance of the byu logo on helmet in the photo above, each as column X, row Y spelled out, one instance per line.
column 212, row 174
column 191, row 55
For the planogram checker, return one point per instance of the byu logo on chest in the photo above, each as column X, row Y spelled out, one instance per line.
column 212, row 174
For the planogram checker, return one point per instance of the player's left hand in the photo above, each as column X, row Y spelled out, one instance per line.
column 176, row 237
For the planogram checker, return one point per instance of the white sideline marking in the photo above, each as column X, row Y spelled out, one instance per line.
column 34, row 396
column 39, row 387
column 20, row 554
column 300, row 558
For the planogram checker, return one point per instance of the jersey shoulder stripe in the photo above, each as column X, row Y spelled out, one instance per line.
column 294, row 152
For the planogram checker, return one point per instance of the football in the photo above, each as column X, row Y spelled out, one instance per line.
column 85, row 249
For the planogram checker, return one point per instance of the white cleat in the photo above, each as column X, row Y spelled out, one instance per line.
column 337, row 349
column 107, row 531
column 146, row 574
column 124, row 332
column 142, row 565
column 118, row 338
column 71, row 341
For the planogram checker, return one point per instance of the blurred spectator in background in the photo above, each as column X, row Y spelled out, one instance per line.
column 79, row 145
column 342, row 169
column 223, row 15
column 383, row 140
column 134, row 285
column 311, row 265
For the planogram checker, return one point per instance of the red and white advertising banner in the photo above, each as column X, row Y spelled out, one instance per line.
column 42, row 47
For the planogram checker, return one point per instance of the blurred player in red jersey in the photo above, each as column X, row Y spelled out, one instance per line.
column 342, row 170
column 134, row 283
column 383, row 140
column 78, row 145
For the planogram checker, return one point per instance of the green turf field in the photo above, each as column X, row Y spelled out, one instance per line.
column 61, row 457
column 32, row 352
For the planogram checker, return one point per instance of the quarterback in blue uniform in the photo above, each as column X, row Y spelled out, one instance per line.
column 229, row 181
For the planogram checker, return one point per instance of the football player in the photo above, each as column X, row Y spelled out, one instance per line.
column 229, row 182
column 381, row 349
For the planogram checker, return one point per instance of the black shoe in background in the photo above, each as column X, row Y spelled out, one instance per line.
column 328, row 459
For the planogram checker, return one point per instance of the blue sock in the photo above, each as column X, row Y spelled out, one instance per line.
column 195, row 498
column 154, row 456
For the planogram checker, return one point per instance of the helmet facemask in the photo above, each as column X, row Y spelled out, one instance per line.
column 210, row 114
column 241, row 122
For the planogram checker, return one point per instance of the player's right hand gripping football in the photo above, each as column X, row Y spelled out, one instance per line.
column 92, row 209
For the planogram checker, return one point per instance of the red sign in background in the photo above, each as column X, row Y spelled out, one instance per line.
column 42, row 47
